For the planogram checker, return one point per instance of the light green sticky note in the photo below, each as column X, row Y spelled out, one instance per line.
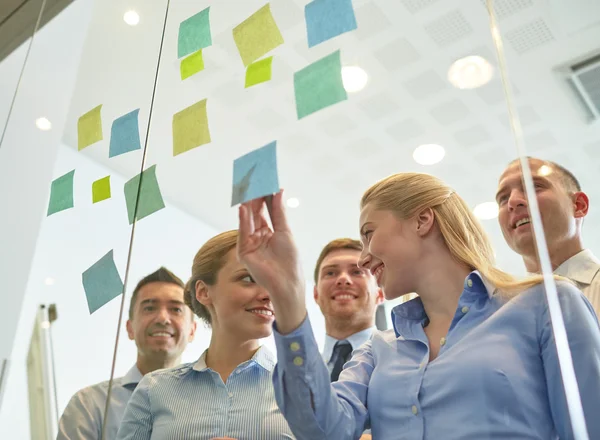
column 192, row 65
column 194, row 34
column 89, row 128
column 101, row 189
column 61, row 193
column 150, row 199
column 259, row 72
column 319, row 85
column 257, row 35
column 190, row 128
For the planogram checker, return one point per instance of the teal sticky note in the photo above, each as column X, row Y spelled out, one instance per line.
column 255, row 174
column 326, row 19
column 102, row 282
column 61, row 193
column 150, row 199
column 194, row 34
column 319, row 85
column 125, row 134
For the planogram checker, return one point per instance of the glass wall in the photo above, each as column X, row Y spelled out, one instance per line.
column 351, row 92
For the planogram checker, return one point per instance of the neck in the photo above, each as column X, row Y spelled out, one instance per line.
column 148, row 364
column 341, row 328
column 559, row 253
column 226, row 352
column 440, row 289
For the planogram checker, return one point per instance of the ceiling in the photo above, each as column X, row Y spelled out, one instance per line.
column 19, row 17
column 328, row 159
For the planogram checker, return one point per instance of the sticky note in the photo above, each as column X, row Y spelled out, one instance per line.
column 102, row 282
column 89, row 128
column 319, row 85
column 194, row 34
column 191, row 65
column 326, row 19
column 255, row 174
column 150, row 199
column 190, row 128
column 125, row 134
column 101, row 189
column 61, row 193
column 257, row 35
column 259, row 72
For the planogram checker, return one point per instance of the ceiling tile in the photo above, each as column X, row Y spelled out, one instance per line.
column 593, row 149
column 450, row 112
column 507, row 8
column 379, row 106
column 266, row 119
column 472, row 136
column 543, row 141
column 529, row 36
column 493, row 92
column 405, row 130
column 364, row 147
column 399, row 53
column 527, row 116
column 413, row 6
column 287, row 14
column 337, row 125
column 449, row 28
column 425, row 84
column 371, row 20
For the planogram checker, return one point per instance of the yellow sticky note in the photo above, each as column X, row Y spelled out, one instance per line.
column 257, row 35
column 101, row 189
column 259, row 72
column 192, row 65
column 190, row 128
column 89, row 128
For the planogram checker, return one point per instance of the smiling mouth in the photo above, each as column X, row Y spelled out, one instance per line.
column 161, row 335
column 378, row 272
column 523, row 221
column 262, row 312
column 343, row 297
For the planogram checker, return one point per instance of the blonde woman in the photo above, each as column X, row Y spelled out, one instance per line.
column 227, row 393
column 472, row 357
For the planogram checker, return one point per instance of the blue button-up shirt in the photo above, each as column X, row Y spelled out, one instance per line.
column 191, row 402
column 83, row 416
column 355, row 340
column 496, row 377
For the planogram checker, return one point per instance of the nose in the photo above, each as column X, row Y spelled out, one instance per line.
column 263, row 295
column 517, row 198
column 343, row 278
column 163, row 316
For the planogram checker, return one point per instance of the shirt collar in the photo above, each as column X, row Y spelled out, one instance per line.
column 132, row 378
column 581, row 267
column 355, row 340
column 406, row 315
column 263, row 357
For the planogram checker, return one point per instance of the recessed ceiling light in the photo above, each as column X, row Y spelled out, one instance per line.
column 486, row 210
column 354, row 78
column 49, row 281
column 132, row 18
column 470, row 72
column 429, row 154
column 293, row 202
column 43, row 124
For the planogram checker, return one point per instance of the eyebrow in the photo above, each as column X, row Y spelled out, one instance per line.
column 154, row 301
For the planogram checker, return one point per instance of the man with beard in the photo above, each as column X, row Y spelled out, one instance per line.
column 162, row 326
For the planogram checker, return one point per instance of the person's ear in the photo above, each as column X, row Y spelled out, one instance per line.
column 193, row 328
column 380, row 297
column 130, row 332
column 581, row 204
column 316, row 294
column 202, row 293
column 425, row 220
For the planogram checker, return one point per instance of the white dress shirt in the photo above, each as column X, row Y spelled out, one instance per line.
column 584, row 270
column 355, row 340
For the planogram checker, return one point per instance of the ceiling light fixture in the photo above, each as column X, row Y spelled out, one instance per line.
column 354, row 78
column 429, row 154
column 132, row 18
column 293, row 202
column 43, row 124
column 49, row 281
column 470, row 72
column 486, row 210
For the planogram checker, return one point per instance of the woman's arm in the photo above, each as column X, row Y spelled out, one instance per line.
column 137, row 421
column 583, row 334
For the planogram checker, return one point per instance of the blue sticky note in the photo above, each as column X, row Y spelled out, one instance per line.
column 102, row 282
column 194, row 34
column 125, row 134
column 255, row 174
column 326, row 19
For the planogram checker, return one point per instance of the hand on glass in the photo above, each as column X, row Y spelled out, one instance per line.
column 271, row 257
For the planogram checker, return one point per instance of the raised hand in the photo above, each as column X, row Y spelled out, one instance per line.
column 271, row 257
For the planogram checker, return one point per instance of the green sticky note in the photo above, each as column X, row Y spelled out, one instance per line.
column 61, row 193
column 259, row 72
column 319, row 85
column 150, row 199
column 102, row 282
column 101, row 189
column 257, row 35
column 194, row 34
column 89, row 128
column 190, row 128
column 192, row 65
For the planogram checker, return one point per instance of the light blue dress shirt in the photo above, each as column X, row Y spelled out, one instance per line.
column 355, row 340
column 83, row 416
column 496, row 376
column 191, row 402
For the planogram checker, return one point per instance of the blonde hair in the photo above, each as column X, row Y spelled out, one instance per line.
column 406, row 194
column 207, row 264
